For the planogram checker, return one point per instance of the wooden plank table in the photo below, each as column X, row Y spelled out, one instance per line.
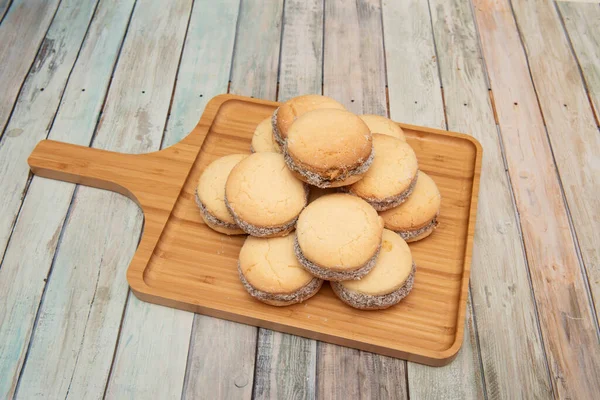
column 134, row 76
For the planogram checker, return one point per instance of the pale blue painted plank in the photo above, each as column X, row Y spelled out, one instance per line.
column 73, row 346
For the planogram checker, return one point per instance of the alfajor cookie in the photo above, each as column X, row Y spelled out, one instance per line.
column 388, row 282
column 383, row 125
column 210, row 195
column 262, row 140
column 263, row 196
column 286, row 114
column 416, row 218
column 270, row 272
column 391, row 178
column 329, row 148
column 338, row 237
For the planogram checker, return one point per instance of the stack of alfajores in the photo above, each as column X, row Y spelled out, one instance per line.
column 325, row 195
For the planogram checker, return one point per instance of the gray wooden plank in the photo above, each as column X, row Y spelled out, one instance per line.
column 301, row 64
column 221, row 360
column 229, row 346
column 412, row 69
column 286, row 364
column 79, row 319
column 4, row 6
column 416, row 98
column 582, row 22
column 27, row 260
column 21, row 33
column 354, row 66
column 534, row 56
column 354, row 74
column 256, row 57
column 152, row 353
column 511, row 349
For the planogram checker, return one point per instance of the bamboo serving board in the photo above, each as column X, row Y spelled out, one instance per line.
column 182, row 263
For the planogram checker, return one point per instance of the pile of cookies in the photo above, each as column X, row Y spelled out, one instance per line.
column 325, row 195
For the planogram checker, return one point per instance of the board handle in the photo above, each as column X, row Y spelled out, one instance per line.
column 84, row 165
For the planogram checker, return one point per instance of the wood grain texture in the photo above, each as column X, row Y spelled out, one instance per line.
column 205, row 64
column 21, row 33
column 286, row 364
column 354, row 74
column 416, row 98
column 411, row 64
column 502, row 300
column 215, row 372
column 36, row 106
column 566, row 110
column 253, row 73
column 171, row 268
column 77, row 328
column 565, row 316
column 28, row 258
column 4, row 6
column 582, row 22
column 301, row 64
column 354, row 65
column 148, row 363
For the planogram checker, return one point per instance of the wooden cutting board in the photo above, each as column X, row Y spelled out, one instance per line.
column 182, row 263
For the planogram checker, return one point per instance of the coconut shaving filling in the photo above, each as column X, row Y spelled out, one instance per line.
column 407, row 235
column 331, row 275
column 276, row 133
column 211, row 218
column 370, row 302
column 298, row 296
column 260, row 231
column 388, row 202
column 317, row 180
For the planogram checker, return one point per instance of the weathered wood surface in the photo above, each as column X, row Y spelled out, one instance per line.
column 502, row 301
column 565, row 317
column 4, row 5
column 286, row 364
column 572, row 131
column 21, row 33
column 254, row 73
column 36, row 106
column 353, row 59
column 152, row 354
column 72, row 350
column 582, row 22
column 28, row 257
column 354, row 74
column 416, row 98
column 96, row 340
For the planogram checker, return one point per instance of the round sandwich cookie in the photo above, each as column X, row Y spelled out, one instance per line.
column 286, row 114
column 383, row 125
column 338, row 237
column 270, row 272
column 388, row 282
column 263, row 196
column 262, row 140
column 392, row 177
column 329, row 148
column 210, row 195
column 416, row 218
